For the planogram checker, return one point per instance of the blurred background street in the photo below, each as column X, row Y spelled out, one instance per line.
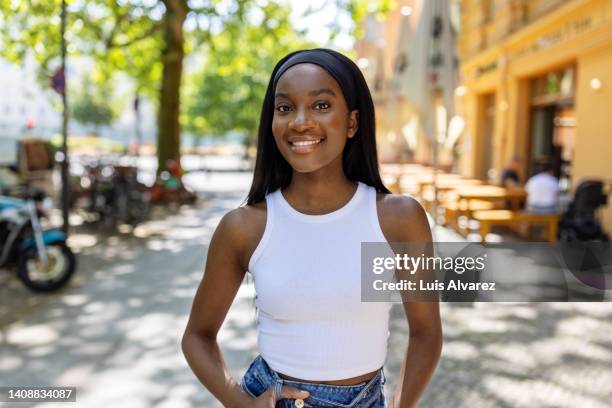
column 129, row 128
column 115, row 332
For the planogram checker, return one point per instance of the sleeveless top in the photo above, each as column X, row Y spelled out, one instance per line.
column 307, row 275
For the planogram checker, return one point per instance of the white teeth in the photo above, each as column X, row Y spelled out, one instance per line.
column 306, row 142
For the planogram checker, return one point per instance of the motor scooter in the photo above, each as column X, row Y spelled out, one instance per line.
column 42, row 258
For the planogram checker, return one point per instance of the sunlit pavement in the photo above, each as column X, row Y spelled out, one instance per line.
column 115, row 332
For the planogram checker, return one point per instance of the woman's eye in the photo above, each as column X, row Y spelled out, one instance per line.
column 282, row 108
column 322, row 105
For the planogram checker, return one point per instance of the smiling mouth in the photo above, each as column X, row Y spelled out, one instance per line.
column 305, row 142
column 305, row 146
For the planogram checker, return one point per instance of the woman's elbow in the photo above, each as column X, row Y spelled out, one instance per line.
column 186, row 341
column 193, row 338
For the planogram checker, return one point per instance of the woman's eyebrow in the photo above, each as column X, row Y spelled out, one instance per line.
column 322, row 90
column 311, row 93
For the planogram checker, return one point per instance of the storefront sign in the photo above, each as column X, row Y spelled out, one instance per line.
column 485, row 68
column 568, row 31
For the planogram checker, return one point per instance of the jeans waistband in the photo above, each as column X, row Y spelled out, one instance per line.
column 279, row 381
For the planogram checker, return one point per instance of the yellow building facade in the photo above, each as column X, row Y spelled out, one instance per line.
column 377, row 56
column 537, row 83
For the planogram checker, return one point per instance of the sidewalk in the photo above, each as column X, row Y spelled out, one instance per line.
column 115, row 333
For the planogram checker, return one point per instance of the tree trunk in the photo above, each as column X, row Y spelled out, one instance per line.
column 169, row 127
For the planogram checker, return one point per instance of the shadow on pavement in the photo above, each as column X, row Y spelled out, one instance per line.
column 115, row 331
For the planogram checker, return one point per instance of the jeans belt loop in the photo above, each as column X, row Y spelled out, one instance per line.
column 277, row 379
column 278, row 384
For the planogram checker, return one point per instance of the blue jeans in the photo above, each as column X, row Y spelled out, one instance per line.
column 259, row 377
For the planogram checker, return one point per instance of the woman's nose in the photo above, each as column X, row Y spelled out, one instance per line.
column 301, row 121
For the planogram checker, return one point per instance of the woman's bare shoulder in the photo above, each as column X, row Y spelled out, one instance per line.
column 250, row 218
column 244, row 226
column 402, row 218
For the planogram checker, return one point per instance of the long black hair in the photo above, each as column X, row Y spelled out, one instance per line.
column 359, row 158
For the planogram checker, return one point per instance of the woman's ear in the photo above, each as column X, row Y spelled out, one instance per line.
column 353, row 123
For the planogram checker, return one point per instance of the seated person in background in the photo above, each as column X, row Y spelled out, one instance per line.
column 543, row 192
column 510, row 177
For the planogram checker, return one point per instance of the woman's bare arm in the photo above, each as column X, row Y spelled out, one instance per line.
column 223, row 275
column 422, row 355
column 405, row 221
column 229, row 252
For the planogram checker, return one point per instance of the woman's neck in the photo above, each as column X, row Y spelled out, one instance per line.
column 313, row 194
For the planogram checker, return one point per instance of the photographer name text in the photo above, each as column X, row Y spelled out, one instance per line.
column 435, row 285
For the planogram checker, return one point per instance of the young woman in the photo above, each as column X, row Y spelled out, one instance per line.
column 316, row 195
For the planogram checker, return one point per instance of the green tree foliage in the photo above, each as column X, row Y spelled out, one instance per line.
column 93, row 105
column 118, row 35
column 144, row 38
column 226, row 95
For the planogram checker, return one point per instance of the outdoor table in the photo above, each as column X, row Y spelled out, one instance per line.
column 446, row 184
column 490, row 193
column 397, row 173
column 428, row 179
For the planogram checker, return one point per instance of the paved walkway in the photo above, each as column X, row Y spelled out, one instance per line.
column 115, row 332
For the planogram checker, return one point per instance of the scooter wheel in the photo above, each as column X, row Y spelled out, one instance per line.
column 60, row 267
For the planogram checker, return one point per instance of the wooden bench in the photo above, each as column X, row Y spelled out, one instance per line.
column 506, row 217
column 453, row 209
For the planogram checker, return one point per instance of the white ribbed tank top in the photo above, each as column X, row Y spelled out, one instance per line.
column 307, row 275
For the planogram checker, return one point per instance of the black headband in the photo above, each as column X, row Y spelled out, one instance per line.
column 331, row 64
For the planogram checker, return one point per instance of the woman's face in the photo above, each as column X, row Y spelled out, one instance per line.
column 311, row 120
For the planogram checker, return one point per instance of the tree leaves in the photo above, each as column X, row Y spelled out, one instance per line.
column 126, row 36
column 226, row 95
column 92, row 103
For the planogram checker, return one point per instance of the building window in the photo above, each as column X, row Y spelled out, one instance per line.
column 553, row 123
column 487, row 11
column 553, row 87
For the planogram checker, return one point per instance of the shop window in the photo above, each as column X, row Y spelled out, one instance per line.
column 542, row 149
column 553, row 123
column 554, row 87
